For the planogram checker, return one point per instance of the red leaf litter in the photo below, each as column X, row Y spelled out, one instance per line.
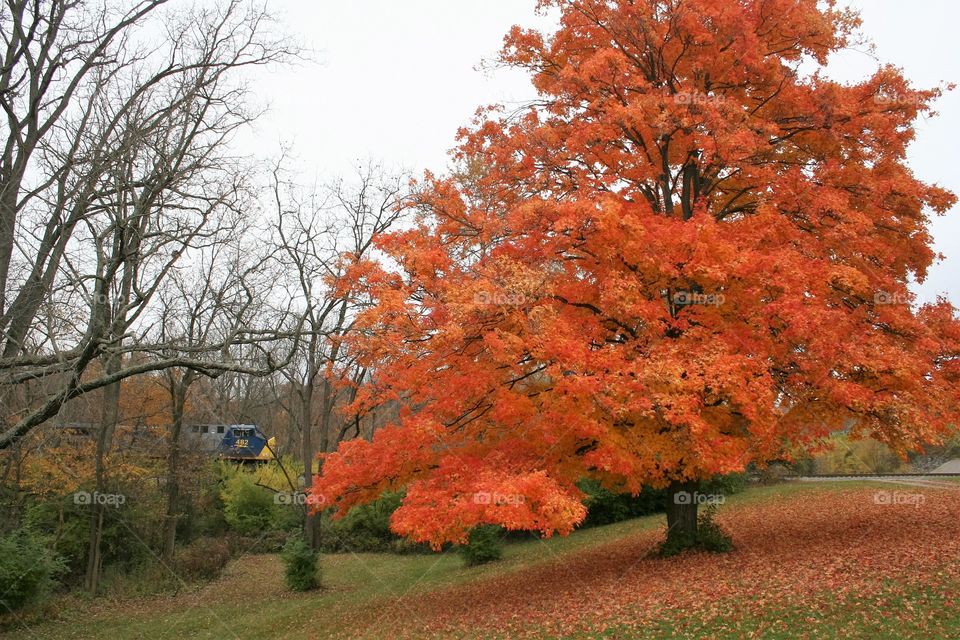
column 808, row 549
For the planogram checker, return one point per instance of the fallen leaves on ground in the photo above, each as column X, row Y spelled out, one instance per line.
column 813, row 549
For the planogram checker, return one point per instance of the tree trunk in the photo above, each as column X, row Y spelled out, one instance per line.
column 178, row 398
column 95, row 559
column 108, row 422
column 311, row 525
column 682, row 514
column 8, row 216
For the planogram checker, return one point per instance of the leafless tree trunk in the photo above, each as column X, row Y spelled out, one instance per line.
column 108, row 422
column 178, row 388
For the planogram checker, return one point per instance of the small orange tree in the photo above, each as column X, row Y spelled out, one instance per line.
column 688, row 255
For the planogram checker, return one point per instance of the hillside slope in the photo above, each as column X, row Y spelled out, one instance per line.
column 812, row 561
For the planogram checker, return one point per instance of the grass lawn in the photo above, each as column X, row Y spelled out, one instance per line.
column 817, row 560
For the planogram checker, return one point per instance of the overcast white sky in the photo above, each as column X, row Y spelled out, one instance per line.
column 394, row 79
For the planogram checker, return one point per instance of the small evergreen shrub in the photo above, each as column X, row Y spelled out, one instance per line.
column 28, row 570
column 484, row 545
column 300, row 565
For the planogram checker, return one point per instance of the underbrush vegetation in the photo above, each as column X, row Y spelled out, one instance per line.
column 203, row 559
column 367, row 528
column 251, row 509
column 236, row 512
column 129, row 532
column 600, row 582
column 28, row 569
column 606, row 506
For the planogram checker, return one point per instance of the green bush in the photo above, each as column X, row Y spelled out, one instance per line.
column 803, row 465
column 124, row 532
column 952, row 446
column 203, row 509
column 28, row 569
column 484, row 545
column 366, row 528
column 286, row 518
column 605, row 506
column 710, row 535
column 250, row 509
column 300, row 565
column 68, row 525
column 677, row 543
column 247, row 508
column 203, row 559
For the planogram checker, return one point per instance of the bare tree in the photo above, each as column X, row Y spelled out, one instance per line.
column 51, row 52
column 318, row 234
column 213, row 301
column 117, row 157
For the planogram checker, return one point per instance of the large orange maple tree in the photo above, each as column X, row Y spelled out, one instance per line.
column 691, row 253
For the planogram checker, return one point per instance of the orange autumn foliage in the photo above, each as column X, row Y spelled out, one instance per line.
column 689, row 255
column 145, row 401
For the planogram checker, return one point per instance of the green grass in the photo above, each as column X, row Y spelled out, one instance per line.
column 250, row 602
column 350, row 581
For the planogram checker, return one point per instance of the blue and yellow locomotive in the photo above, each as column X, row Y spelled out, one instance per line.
column 240, row 442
